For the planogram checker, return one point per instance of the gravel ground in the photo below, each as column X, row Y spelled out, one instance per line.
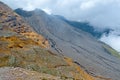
column 10, row 73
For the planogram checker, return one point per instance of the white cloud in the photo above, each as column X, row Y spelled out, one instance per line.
column 47, row 10
column 113, row 39
column 87, row 5
column 28, row 4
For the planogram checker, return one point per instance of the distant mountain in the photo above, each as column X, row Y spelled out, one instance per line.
column 85, row 26
column 88, row 28
column 97, row 58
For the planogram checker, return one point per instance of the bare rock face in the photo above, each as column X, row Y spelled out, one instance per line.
column 10, row 20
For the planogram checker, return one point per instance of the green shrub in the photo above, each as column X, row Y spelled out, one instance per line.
column 49, row 71
column 13, row 61
column 111, row 51
column 33, row 67
column 0, row 26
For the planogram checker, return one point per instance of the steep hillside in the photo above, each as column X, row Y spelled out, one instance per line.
column 24, row 54
column 17, row 51
column 85, row 26
column 88, row 28
column 92, row 55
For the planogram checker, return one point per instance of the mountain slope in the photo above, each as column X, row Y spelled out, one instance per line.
column 88, row 28
column 21, row 47
column 85, row 26
column 83, row 48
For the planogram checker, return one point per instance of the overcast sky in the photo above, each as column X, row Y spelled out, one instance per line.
column 100, row 13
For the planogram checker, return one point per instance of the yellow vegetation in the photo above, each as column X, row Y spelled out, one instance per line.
column 37, row 38
column 7, row 43
column 85, row 76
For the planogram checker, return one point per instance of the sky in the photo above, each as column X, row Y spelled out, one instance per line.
column 99, row 13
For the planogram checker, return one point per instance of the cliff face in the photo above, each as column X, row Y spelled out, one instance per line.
column 24, row 53
column 95, row 57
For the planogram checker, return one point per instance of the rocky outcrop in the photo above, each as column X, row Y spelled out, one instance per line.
column 10, row 73
column 10, row 21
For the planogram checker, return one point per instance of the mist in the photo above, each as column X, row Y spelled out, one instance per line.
column 113, row 39
column 99, row 13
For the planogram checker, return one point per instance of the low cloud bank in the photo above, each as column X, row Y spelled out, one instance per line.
column 113, row 39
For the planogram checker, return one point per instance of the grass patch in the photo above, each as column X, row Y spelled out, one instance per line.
column 111, row 51
column 47, row 70
column 4, row 60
